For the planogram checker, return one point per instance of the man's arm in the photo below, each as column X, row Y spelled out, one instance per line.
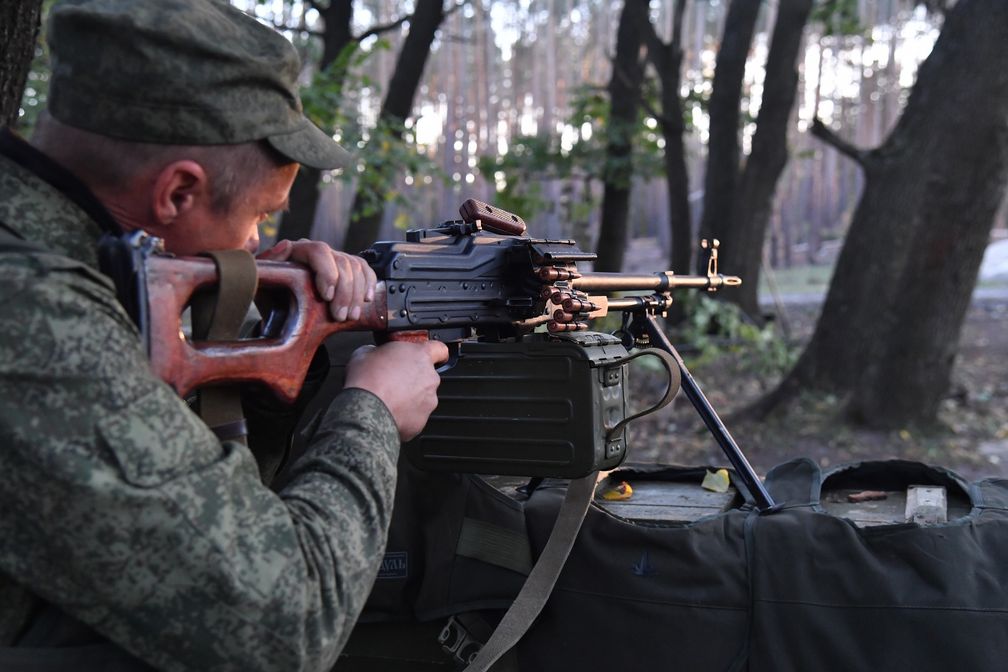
column 123, row 509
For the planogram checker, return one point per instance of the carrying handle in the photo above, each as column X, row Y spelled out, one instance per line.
column 674, row 381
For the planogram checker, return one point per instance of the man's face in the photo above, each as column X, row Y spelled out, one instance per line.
column 204, row 229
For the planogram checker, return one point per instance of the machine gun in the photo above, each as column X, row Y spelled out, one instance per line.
column 514, row 311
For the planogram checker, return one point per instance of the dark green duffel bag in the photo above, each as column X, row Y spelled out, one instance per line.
column 829, row 594
column 636, row 595
column 801, row 587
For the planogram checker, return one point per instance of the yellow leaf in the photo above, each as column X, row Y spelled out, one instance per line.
column 716, row 481
column 402, row 220
column 617, row 493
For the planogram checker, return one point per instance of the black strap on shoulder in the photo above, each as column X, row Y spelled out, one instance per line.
column 11, row 241
column 68, row 184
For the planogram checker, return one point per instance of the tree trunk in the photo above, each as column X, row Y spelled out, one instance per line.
column 721, row 176
column 304, row 195
column 19, row 25
column 746, row 230
column 624, row 101
column 667, row 60
column 396, row 107
column 891, row 322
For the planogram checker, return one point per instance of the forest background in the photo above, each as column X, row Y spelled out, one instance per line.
column 849, row 154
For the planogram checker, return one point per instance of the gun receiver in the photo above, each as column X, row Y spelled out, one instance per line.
column 475, row 279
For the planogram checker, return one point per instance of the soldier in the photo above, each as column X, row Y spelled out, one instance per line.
column 131, row 536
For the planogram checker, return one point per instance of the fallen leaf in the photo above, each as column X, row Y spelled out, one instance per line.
column 866, row 496
column 716, row 481
column 617, row 493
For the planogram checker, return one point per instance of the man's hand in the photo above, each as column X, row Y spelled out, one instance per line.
column 402, row 375
column 345, row 281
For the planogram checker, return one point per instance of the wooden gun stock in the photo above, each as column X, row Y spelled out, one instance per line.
column 280, row 363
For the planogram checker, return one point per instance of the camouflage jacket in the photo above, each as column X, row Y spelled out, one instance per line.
column 120, row 507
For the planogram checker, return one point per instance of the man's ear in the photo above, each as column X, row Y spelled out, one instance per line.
column 179, row 188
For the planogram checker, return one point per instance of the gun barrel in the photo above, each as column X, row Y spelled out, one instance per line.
column 625, row 303
column 656, row 282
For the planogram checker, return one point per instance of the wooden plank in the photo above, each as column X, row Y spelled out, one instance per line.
column 890, row 511
column 667, row 514
column 669, row 502
column 651, row 501
column 657, row 493
column 657, row 501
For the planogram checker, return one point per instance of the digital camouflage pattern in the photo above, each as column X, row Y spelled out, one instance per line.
column 181, row 72
column 120, row 507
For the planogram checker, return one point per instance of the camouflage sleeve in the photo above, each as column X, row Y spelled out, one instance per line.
column 122, row 508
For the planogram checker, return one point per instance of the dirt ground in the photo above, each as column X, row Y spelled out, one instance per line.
column 971, row 439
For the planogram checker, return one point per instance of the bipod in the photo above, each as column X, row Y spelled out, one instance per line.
column 643, row 327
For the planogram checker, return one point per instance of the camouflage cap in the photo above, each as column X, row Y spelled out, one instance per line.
column 182, row 72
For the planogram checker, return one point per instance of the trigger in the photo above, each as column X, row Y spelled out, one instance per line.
column 453, row 357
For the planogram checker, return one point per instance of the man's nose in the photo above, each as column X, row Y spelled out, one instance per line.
column 252, row 244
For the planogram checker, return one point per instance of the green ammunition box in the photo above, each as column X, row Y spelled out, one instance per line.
column 541, row 406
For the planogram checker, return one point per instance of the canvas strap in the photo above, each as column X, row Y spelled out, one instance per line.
column 533, row 595
column 218, row 317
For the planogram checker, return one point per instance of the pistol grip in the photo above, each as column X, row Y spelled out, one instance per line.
column 419, row 336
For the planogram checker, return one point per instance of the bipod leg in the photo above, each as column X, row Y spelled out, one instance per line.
column 647, row 324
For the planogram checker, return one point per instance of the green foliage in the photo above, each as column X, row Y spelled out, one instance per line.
column 716, row 329
column 385, row 153
column 384, row 150
column 330, row 99
column 838, row 17
column 695, row 95
column 530, row 160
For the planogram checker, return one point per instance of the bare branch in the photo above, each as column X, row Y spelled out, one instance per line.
column 392, row 25
column 383, row 28
column 658, row 115
column 658, row 53
column 655, row 47
column 648, row 107
column 623, row 77
column 458, row 39
column 824, row 133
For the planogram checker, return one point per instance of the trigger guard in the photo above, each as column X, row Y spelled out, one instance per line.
column 453, row 357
